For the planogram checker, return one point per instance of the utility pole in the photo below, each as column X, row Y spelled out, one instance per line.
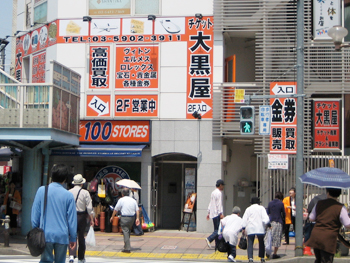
column 300, row 131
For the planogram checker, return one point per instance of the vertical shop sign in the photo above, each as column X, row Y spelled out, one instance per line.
column 326, row 124
column 38, row 67
column 283, row 137
column 326, row 15
column 200, row 67
column 99, row 67
column 136, row 67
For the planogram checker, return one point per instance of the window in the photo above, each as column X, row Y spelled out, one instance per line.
column 123, row 7
column 40, row 11
column 146, row 7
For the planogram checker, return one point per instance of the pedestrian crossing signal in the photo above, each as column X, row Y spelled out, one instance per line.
column 247, row 120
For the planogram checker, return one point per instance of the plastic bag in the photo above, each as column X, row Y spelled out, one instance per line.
column 101, row 190
column 268, row 242
column 222, row 246
column 90, row 238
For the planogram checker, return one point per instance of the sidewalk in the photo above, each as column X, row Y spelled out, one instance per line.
column 161, row 244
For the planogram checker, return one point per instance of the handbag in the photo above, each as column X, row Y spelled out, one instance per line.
column 243, row 242
column 36, row 237
column 222, row 246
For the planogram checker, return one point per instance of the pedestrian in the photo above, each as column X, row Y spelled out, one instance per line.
column 289, row 207
column 329, row 215
column 12, row 195
column 137, row 229
column 84, row 210
column 276, row 212
column 129, row 209
column 215, row 211
column 232, row 225
column 255, row 220
column 60, row 220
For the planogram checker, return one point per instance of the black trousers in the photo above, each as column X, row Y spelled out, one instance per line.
column 323, row 256
column 82, row 223
column 286, row 229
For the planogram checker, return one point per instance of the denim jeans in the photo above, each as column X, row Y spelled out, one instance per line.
column 231, row 250
column 59, row 256
column 261, row 245
column 214, row 235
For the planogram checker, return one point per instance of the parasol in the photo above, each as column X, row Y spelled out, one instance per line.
column 128, row 183
column 326, row 177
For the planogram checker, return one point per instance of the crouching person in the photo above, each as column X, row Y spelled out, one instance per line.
column 232, row 225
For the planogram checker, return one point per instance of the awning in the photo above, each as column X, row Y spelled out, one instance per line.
column 100, row 150
column 6, row 153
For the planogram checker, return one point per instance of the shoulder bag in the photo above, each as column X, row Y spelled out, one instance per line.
column 36, row 237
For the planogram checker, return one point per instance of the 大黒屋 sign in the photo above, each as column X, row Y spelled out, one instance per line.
column 326, row 118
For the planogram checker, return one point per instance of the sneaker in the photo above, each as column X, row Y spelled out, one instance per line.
column 262, row 260
column 71, row 259
column 274, row 256
column 251, row 260
column 208, row 243
column 231, row 259
column 82, row 261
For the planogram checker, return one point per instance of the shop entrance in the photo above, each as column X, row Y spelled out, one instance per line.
column 170, row 187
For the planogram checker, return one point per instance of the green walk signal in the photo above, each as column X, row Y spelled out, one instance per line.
column 247, row 120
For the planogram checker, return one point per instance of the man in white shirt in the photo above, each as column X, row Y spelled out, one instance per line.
column 255, row 219
column 128, row 209
column 232, row 225
column 215, row 211
column 84, row 208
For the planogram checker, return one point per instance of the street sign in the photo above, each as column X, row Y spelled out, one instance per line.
column 264, row 120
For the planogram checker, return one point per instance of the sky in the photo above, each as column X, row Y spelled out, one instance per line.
column 5, row 29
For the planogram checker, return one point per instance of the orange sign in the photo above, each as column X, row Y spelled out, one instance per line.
column 283, row 138
column 98, row 106
column 115, row 131
column 200, row 67
column 38, row 67
column 99, row 67
column 136, row 67
column 136, row 106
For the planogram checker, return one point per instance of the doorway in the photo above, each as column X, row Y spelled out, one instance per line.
column 168, row 188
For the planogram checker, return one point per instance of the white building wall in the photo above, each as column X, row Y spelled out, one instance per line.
column 193, row 138
column 187, row 8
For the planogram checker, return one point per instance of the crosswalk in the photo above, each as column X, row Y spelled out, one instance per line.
column 29, row 259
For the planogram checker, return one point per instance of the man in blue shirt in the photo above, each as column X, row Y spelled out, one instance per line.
column 60, row 222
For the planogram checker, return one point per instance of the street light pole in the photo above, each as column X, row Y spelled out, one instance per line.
column 300, row 131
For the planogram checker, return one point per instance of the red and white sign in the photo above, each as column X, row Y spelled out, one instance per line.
column 136, row 106
column 99, row 67
column 115, row 131
column 326, row 124
column 200, row 67
column 136, row 67
column 98, row 106
column 283, row 137
column 38, row 67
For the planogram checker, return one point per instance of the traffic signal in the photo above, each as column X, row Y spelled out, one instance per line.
column 247, row 120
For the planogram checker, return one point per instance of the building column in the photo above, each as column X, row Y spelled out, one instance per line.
column 32, row 169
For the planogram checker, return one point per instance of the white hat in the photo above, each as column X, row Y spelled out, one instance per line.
column 78, row 179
